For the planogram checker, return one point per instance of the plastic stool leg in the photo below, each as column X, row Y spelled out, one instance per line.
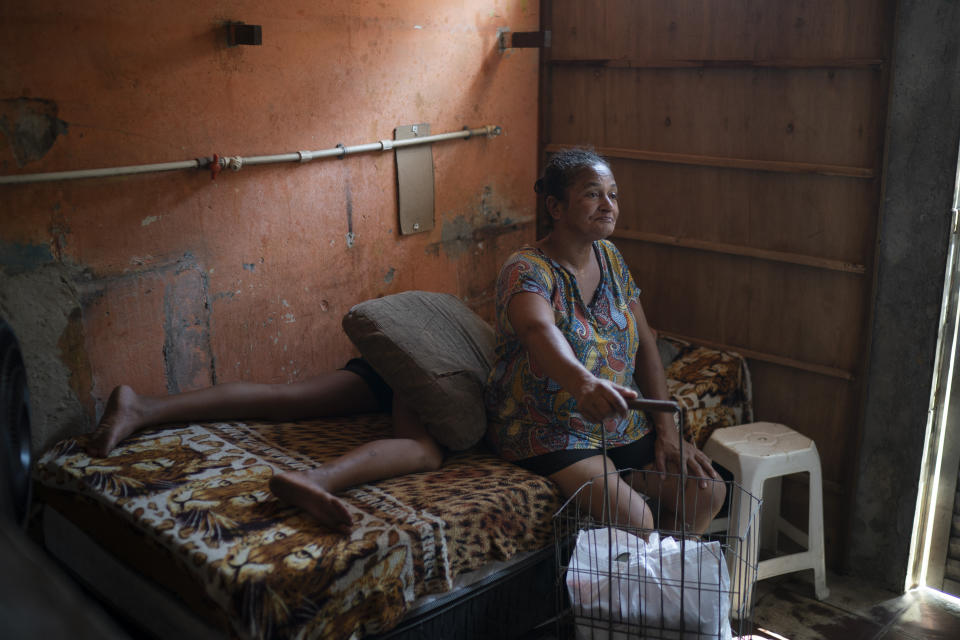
column 744, row 574
column 815, row 534
column 770, row 521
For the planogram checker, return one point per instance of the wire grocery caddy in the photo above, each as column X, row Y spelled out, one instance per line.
column 618, row 580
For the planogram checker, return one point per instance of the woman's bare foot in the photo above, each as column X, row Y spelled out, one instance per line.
column 303, row 489
column 123, row 416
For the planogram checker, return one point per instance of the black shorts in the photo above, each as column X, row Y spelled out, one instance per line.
column 378, row 386
column 636, row 455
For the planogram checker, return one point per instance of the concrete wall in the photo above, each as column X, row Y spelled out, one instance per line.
column 921, row 168
column 174, row 281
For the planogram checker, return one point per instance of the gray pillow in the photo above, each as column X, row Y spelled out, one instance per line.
column 668, row 351
column 435, row 352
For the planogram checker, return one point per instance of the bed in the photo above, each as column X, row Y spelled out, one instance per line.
column 177, row 529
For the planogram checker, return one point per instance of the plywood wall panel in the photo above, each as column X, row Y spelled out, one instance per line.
column 823, row 216
column 578, row 111
column 810, row 115
column 789, row 311
column 706, row 29
column 677, row 290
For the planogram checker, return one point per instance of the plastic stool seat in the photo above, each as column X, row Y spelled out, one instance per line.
column 766, row 451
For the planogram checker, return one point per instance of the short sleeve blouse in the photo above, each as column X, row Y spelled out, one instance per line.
column 529, row 413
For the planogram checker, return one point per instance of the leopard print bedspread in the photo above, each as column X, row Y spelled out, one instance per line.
column 201, row 492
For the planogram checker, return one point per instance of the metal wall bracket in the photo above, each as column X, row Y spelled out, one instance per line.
column 241, row 33
column 507, row 39
column 414, row 180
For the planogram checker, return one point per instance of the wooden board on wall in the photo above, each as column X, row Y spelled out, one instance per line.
column 810, row 315
column 659, row 30
column 820, row 116
column 818, row 216
column 747, row 141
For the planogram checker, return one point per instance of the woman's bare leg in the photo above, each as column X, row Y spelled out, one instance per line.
column 411, row 450
column 702, row 502
column 626, row 507
column 334, row 393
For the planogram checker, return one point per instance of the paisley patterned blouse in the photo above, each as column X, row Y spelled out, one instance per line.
column 529, row 413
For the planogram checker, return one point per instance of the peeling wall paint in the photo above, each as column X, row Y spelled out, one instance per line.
column 43, row 307
column 17, row 258
column 465, row 233
column 187, row 358
column 31, row 126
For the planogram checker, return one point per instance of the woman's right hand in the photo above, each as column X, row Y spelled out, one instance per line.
column 600, row 400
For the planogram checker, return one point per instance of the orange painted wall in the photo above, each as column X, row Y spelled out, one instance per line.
column 181, row 280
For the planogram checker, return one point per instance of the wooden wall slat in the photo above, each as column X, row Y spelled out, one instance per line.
column 701, row 29
column 730, row 63
column 739, row 250
column 721, row 162
column 790, row 363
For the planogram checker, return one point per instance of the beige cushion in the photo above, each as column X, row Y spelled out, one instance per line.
column 435, row 352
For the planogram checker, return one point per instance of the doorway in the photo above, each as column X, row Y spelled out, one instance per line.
column 935, row 546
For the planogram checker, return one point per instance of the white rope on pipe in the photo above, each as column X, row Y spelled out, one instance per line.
column 238, row 162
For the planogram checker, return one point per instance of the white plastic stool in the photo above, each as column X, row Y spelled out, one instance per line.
column 763, row 451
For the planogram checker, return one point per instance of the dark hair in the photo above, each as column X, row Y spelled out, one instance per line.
column 562, row 169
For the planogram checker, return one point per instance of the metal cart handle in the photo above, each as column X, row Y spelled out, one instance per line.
column 644, row 404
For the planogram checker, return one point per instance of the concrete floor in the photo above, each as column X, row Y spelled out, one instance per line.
column 786, row 609
column 855, row 610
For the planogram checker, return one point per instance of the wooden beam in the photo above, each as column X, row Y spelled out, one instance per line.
column 730, row 63
column 739, row 250
column 832, row 372
column 727, row 163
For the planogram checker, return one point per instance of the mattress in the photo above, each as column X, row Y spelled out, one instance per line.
column 188, row 508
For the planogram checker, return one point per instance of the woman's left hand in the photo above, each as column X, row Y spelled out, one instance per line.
column 667, row 453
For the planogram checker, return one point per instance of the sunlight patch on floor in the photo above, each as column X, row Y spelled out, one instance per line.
column 769, row 633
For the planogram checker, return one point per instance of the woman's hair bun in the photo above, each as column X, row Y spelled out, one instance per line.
column 538, row 185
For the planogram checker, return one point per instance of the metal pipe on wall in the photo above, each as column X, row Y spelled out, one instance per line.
column 238, row 162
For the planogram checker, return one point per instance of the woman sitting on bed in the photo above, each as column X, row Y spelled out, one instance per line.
column 354, row 389
column 573, row 346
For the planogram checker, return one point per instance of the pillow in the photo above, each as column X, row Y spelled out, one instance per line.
column 669, row 350
column 435, row 352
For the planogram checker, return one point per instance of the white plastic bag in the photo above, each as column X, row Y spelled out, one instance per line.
column 642, row 588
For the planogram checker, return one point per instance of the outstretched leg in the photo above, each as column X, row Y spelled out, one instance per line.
column 411, row 450
column 333, row 393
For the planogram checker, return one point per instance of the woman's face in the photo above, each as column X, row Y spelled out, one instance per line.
column 591, row 208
